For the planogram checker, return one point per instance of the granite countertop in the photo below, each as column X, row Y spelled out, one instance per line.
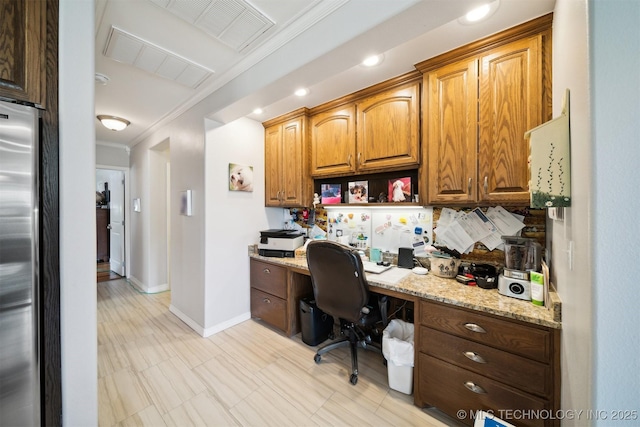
column 451, row 292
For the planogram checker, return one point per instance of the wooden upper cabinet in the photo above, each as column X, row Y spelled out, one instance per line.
column 287, row 182
column 273, row 165
column 373, row 133
column 510, row 102
column 388, row 129
column 22, row 41
column 333, row 142
column 477, row 112
column 451, row 132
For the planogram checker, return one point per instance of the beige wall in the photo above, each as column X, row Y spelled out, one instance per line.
column 574, row 282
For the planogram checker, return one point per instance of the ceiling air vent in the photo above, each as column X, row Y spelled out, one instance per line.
column 129, row 49
column 233, row 22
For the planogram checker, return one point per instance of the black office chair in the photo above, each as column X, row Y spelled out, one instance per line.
column 341, row 290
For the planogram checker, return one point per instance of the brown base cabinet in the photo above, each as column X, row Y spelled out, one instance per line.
column 470, row 361
column 275, row 295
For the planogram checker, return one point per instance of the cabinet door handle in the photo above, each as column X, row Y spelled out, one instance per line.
column 266, row 271
column 474, row 356
column 469, row 186
column 474, row 388
column 475, row 328
column 349, row 160
column 359, row 159
column 486, row 185
column 266, row 300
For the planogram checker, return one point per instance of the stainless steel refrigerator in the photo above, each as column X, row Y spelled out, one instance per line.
column 19, row 287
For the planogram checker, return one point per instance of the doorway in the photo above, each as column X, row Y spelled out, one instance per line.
column 110, row 224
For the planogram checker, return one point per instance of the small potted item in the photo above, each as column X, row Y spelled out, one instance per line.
column 444, row 265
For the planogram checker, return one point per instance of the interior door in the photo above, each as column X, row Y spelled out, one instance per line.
column 116, row 225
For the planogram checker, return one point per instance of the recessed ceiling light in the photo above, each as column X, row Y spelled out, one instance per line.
column 257, row 111
column 302, row 91
column 480, row 13
column 113, row 122
column 372, row 60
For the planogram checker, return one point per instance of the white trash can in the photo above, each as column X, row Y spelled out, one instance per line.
column 397, row 348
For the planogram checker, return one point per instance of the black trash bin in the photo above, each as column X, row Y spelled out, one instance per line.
column 316, row 326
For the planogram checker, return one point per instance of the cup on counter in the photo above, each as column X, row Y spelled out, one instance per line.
column 375, row 255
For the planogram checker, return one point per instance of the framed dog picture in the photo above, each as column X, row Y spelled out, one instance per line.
column 240, row 177
column 358, row 191
column 400, row 190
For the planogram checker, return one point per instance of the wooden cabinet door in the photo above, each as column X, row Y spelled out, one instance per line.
column 22, row 41
column 510, row 104
column 293, row 169
column 333, row 142
column 273, row 165
column 451, row 135
column 388, row 129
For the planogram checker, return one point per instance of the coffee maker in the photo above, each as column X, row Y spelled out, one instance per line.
column 521, row 255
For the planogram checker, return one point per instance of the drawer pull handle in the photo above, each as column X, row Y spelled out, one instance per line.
column 475, row 328
column 266, row 271
column 474, row 356
column 474, row 388
column 266, row 300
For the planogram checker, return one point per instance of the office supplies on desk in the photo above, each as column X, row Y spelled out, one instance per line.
column 372, row 267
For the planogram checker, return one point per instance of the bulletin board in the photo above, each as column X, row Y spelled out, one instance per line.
column 393, row 229
column 384, row 229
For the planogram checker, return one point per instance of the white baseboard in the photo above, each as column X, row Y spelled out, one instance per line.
column 148, row 290
column 227, row 324
column 186, row 319
column 212, row 330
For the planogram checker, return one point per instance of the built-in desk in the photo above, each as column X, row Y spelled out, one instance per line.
column 474, row 348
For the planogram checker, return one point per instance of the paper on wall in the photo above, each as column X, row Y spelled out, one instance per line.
column 506, row 223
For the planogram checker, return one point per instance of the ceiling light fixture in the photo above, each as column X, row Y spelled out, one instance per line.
column 479, row 13
column 257, row 111
column 102, row 79
column 113, row 123
column 302, row 92
column 372, row 60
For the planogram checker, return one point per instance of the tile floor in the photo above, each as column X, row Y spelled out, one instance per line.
column 156, row 371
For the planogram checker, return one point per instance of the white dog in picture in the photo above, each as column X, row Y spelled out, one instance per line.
column 241, row 178
column 398, row 194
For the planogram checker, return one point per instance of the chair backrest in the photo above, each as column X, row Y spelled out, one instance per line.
column 339, row 283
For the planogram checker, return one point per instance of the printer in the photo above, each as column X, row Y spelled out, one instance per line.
column 279, row 243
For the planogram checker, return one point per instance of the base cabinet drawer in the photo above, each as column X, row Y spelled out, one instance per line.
column 453, row 389
column 519, row 372
column 513, row 337
column 269, row 308
column 269, row 278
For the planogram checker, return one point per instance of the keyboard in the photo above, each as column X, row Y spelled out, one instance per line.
column 372, row 267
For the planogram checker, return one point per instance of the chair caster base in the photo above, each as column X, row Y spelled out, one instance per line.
column 353, row 379
column 317, row 358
